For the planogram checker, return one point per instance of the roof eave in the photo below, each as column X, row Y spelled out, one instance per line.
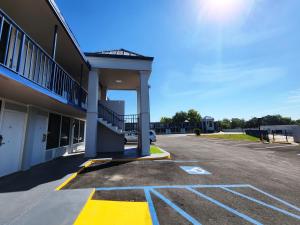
column 61, row 19
column 93, row 54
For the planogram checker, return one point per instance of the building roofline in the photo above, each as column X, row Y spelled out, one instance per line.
column 103, row 55
column 67, row 29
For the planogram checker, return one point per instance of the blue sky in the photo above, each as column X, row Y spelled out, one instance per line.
column 235, row 60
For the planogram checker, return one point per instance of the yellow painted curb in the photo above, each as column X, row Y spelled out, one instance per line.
column 93, row 161
column 73, row 175
column 103, row 212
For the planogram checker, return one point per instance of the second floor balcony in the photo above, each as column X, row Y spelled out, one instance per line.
column 24, row 56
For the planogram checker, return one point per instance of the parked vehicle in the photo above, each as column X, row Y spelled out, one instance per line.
column 132, row 137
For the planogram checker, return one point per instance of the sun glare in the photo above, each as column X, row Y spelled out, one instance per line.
column 223, row 11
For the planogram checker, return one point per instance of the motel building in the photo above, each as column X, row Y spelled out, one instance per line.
column 53, row 97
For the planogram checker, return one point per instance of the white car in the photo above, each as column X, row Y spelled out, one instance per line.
column 132, row 136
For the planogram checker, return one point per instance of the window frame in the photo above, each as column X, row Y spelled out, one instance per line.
column 69, row 129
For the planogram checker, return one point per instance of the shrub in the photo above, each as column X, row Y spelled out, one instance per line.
column 197, row 131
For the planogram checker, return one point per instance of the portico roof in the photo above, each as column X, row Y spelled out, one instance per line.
column 119, row 53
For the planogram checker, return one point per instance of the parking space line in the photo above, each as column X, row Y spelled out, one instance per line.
column 270, row 147
column 176, row 208
column 245, row 217
column 274, row 197
column 148, row 190
column 174, row 186
column 262, row 203
column 177, row 161
column 151, row 207
column 248, row 144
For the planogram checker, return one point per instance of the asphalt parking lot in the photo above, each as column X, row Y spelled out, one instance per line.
column 208, row 181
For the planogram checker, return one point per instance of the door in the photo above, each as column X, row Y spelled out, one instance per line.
column 39, row 145
column 12, row 132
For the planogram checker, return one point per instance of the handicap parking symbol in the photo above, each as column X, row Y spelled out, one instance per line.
column 194, row 170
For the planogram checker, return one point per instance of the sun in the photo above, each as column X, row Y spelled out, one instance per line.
column 223, row 11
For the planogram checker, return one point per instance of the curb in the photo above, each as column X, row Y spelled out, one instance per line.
column 73, row 175
column 158, row 156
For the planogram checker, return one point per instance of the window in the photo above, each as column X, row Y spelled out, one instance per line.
column 53, row 131
column 76, row 131
column 65, row 131
column 81, row 131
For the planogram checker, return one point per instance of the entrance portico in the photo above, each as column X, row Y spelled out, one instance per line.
column 106, row 122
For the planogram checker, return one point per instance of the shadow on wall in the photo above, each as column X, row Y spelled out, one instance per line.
column 40, row 174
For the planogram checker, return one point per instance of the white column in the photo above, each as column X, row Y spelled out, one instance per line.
column 29, row 138
column 144, row 125
column 92, row 114
column 138, row 97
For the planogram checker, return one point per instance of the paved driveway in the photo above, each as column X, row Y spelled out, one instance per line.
column 208, row 181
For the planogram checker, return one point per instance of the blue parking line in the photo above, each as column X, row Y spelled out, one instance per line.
column 174, row 186
column 245, row 217
column 274, row 197
column 176, row 208
column 262, row 203
column 151, row 207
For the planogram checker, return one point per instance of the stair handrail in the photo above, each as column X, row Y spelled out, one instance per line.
column 114, row 118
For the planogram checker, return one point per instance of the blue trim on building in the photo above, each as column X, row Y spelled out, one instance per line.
column 30, row 84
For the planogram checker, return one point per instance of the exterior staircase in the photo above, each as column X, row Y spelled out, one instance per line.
column 110, row 126
column 112, row 129
column 111, row 119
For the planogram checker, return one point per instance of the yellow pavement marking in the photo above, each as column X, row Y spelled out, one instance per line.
column 87, row 164
column 103, row 212
column 93, row 161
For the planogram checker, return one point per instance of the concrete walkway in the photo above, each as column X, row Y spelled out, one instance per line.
column 30, row 198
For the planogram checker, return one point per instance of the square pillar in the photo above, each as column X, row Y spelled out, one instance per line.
column 29, row 138
column 138, row 97
column 144, row 112
column 92, row 114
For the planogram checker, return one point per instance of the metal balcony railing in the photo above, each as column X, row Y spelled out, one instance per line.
column 123, row 122
column 23, row 55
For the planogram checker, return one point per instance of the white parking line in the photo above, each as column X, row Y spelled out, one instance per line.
column 245, row 144
column 284, row 146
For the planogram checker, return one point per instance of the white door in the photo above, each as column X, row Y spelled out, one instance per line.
column 12, row 131
column 39, row 145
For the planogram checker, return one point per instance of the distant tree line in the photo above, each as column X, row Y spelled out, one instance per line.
column 255, row 122
column 191, row 116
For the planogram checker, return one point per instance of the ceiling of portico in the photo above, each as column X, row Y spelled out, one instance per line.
column 114, row 79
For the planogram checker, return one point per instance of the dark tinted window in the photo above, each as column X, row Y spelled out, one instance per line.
column 65, row 131
column 76, row 131
column 81, row 131
column 53, row 131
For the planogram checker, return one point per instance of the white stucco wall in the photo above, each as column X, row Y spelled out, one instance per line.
column 109, row 141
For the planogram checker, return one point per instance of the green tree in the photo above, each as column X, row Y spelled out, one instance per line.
column 225, row 124
column 166, row 120
column 180, row 117
column 252, row 123
column 237, row 123
column 276, row 120
column 194, row 116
